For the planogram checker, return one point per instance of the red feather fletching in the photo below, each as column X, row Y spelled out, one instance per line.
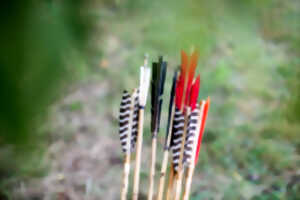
column 194, row 93
column 205, row 111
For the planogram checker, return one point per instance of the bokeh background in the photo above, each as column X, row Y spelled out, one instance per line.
column 63, row 65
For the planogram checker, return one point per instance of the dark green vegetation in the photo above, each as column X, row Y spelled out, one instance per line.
column 249, row 66
column 40, row 40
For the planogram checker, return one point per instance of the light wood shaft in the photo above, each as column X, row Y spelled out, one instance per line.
column 125, row 177
column 165, row 158
column 178, row 183
column 170, row 184
column 136, row 180
column 163, row 175
column 188, row 183
column 152, row 167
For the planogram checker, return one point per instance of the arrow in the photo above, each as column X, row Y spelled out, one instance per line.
column 159, row 70
column 143, row 92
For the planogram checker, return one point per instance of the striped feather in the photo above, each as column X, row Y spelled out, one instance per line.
column 135, row 120
column 176, row 139
column 124, row 118
column 191, row 136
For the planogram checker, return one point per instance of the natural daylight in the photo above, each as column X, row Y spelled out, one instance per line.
column 64, row 66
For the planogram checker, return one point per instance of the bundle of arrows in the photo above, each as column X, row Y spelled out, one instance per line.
column 185, row 127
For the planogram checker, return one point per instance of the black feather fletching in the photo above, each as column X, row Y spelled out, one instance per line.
column 159, row 70
column 172, row 95
column 161, row 88
column 154, row 81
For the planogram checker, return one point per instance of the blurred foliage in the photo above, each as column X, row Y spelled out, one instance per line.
column 40, row 42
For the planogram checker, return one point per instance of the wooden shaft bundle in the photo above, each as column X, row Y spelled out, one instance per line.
column 152, row 168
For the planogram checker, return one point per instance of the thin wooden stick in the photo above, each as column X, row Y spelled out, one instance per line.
column 125, row 177
column 152, row 167
column 170, row 184
column 165, row 159
column 188, row 183
column 162, row 175
column 138, row 155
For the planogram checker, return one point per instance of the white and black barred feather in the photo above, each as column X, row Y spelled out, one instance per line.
column 190, row 136
column 124, row 120
column 135, row 120
column 176, row 138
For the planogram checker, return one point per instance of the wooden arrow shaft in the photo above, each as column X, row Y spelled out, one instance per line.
column 165, row 159
column 136, row 180
column 152, row 167
column 125, row 177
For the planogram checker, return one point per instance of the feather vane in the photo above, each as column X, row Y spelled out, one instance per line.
column 202, row 126
column 177, row 136
column 190, row 136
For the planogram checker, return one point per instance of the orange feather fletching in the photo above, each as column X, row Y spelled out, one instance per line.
column 181, row 80
column 192, row 68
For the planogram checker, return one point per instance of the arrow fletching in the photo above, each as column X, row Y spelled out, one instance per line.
column 172, row 96
column 194, row 93
column 135, row 119
column 190, row 136
column 161, row 88
column 181, row 80
column 177, row 136
column 202, row 126
column 157, row 88
column 124, row 121
column 144, row 85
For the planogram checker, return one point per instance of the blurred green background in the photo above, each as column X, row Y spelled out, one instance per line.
column 63, row 65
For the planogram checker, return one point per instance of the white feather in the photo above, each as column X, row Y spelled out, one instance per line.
column 144, row 85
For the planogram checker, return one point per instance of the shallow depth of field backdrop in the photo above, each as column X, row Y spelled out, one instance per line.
column 64, row 64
